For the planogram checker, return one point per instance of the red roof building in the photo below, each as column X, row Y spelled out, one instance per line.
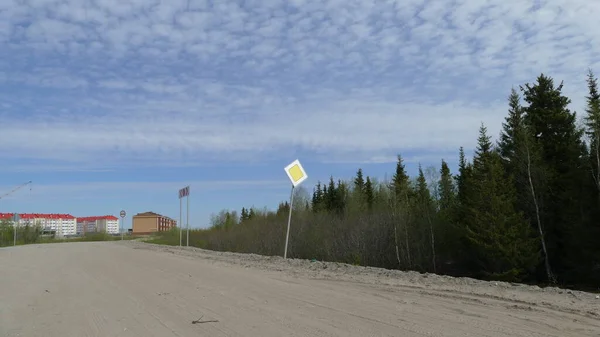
column 63, row 224
column 38, row 216
column 94, row 218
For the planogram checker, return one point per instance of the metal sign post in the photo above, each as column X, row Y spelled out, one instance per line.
column 16, row 217
column 184, row 193
column 180, row 218
column 122, row 214
column 297, row 175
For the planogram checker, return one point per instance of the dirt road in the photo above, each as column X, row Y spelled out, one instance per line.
column 136, row 289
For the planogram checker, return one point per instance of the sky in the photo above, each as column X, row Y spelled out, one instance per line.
column 113, row 105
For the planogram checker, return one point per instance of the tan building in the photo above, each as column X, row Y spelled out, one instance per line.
column 150, row 222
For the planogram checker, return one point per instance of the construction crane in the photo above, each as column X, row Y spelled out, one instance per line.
column 9, row 193
column 17, row 188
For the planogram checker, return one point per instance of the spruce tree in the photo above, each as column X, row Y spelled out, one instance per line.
column 511, row 125
column 317, row 199
column 592, row 123
column 400, row 180
column 464, row 171
column 553, row 129
column 446, row 188
column 244, row 215
column 369, row 193
column 591, row 250
column 359, row 190
column 448, row 233
column 359, row 182
column 463, row 180
column 341, row 197
column 500, row 239
column 424, row 205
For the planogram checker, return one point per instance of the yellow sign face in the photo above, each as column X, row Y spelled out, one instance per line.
column 296, row 173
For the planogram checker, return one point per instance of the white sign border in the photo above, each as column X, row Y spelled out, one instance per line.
column 287, row 171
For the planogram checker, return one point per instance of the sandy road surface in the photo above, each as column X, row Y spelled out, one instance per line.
column 136, row 289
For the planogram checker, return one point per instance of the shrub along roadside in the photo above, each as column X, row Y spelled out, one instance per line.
column 524, row 209
column 33, row 235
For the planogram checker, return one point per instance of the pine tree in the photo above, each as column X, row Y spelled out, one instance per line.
column 513, row 122
column 446, row 188
column 402, row 193
column 448, row 233
column 359, row 182
column 521, row 159
column 340, row 197
column 424, row 204
column 400, row 180
column 592, row 123
column 422, row 190
column 318, row 198
column 464, row 171
column 462, row 183
column 500, row 238
column 359, row 191
column 244, row 215
column 331, row 196
column 283, row 208
column 591, row 256
column 562, row 151
column 484, row 149
column 369, row 194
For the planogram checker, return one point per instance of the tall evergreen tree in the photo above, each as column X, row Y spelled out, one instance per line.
column 553, row 129
column 592, row 123
column 318, row 197
column 331, row 195
column 464, row 171
column 359, row 182
column 358, row 191
column 513, row 122
column 341, row 197
column 369, row 193
column 501, row 242
column 425, row 207
column 422, row 190
column 448, row 233
column 244, row 215
column 462, row 183
column 400, row 180
column 521, row 157
column 402, row 193
column 592, row 230
column 446, row 188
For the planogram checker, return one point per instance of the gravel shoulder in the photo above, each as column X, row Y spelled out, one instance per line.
column 140, row 289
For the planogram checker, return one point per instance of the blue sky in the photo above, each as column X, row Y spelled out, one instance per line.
column 114, row 104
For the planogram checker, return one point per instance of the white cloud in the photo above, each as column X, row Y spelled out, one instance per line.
column 78, row 190
column 175, row 80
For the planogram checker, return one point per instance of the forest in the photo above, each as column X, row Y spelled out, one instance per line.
column 524, row 209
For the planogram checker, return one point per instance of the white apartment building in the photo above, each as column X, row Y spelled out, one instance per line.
column 96, row 224
column 62, row 224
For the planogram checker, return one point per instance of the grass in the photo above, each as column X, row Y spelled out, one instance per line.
column 170, row 238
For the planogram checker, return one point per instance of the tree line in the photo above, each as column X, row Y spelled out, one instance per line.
column 526, row 208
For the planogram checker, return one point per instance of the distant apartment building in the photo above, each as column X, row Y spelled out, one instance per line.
column 150, row 222
column 61, row 224
column 98, row 224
